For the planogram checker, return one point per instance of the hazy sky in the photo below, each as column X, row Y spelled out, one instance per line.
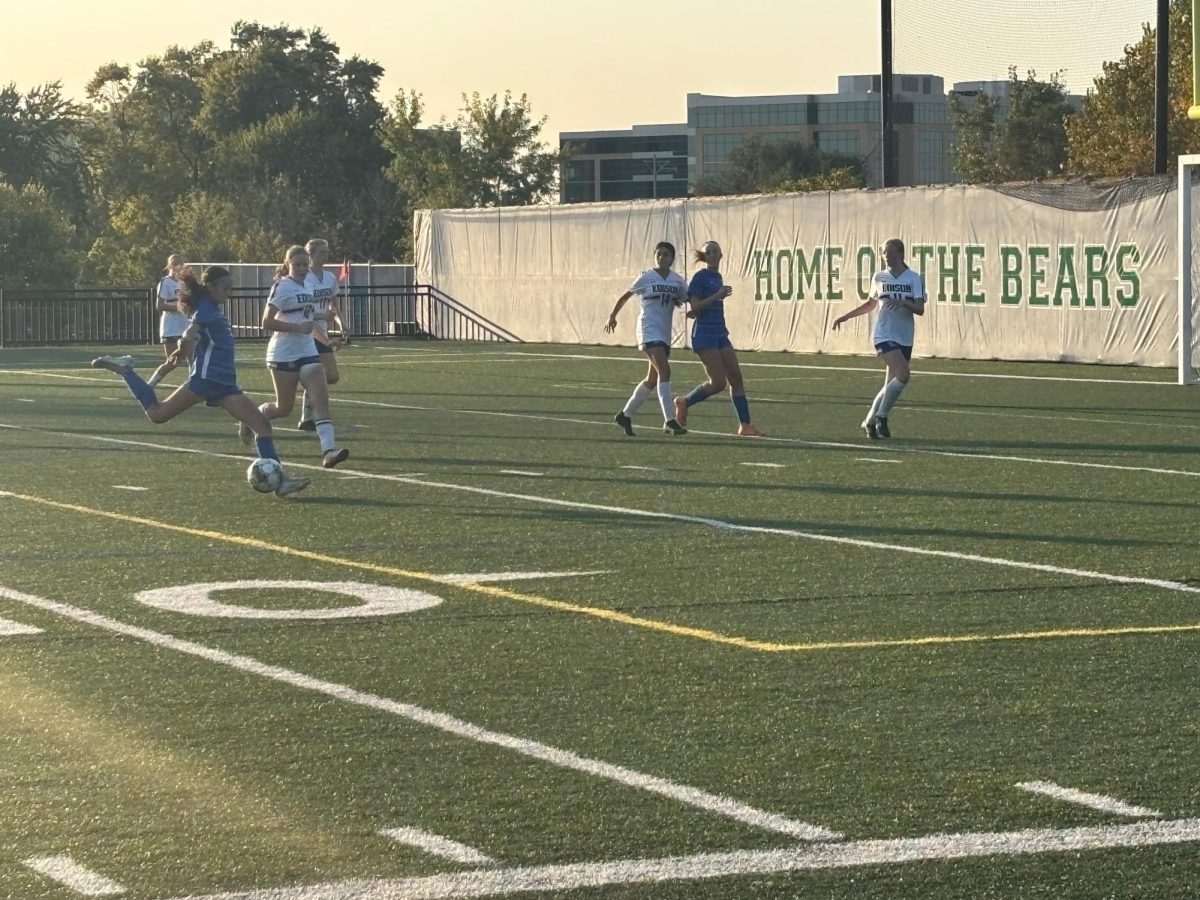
column 594, row 65
column 588, row 66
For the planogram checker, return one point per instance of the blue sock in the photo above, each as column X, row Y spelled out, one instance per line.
column 266, row 448
column 698, row 393
column 742, row 405
column 142, row 392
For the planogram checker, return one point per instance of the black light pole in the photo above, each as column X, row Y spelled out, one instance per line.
column 888, row 143
column 1161, row 67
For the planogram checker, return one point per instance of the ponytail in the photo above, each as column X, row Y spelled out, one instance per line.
column 189, row 291
column 282, row 272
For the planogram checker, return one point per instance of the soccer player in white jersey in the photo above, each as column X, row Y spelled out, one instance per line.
column 660, row 291
column 291, row 317
column 324, row 288
column 900, row 293
column 172, row 323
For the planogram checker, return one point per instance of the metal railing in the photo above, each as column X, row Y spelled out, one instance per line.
column 128, row 316
column 73, row 316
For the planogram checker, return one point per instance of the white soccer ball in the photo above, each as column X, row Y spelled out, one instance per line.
column 265, row 475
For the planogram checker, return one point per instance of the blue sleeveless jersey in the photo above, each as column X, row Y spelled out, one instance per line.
column 213, row 357
column 711, row 322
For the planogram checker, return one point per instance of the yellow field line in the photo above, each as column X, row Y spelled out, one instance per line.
column 489, row 590
column 610, row 615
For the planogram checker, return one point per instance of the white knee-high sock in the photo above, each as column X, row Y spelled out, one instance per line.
column 639, row 396
column 665, row 400
column 875, row 404
column 325, row 434
column 891, row 393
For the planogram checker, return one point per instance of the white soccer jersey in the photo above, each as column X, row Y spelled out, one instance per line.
column 295, row 304
column 324, row 291
column 170, row 324
column 659, row 298
column 896, row 324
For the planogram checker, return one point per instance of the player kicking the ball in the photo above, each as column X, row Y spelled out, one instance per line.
column 213, row 376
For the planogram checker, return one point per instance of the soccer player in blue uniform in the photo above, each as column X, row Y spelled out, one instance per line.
column 710, row 341
column 213, row 375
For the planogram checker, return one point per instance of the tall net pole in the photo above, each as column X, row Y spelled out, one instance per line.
column 1162, row 93
column 1194, row 110
column 889, row 156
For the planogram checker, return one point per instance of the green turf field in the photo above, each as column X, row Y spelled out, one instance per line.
column 960, row 663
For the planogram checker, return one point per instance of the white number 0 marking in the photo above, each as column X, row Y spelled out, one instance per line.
column 376, row 600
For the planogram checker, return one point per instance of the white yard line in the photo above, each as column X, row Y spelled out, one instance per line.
column 796, row 442
column 436, row 845
column 8, row 628
column 1050, row 417
column 874, row 370
column 765, row 465
column 633, row 512
column 130, row 487
column 492, row 577
column 522, row 472
column 872, row 459
column 640, row 468
column 71, row 875
column 818, row 857
column 792, row 442
column 1093, row 801
column 681, row 793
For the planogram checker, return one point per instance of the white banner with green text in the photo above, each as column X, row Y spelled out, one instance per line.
column 1074, row 274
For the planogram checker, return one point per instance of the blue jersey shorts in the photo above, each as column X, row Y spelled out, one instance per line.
column 213, row 392
column 702, row 340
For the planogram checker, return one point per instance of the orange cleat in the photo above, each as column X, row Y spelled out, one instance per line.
column 681, row 409
column 750, row 431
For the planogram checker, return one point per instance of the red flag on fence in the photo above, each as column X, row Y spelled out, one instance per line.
column 344, row 274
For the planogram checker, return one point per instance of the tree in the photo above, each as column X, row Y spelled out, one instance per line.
column 425, row 170
column 150, row 143
column 974, row 123
column 1024, row 142
column 42, row 144
column 762, row 165
column 491, row 155
column 1033, row 137
column 277, row 133
column 504, row 162
column 35, row 241
column 1113, row 134
column 839, row 179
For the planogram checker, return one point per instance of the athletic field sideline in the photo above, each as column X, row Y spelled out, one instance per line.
column 505, row 650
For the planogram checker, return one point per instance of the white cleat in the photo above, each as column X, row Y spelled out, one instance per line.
column 118, row 364
column 245, row 435
column 291, row 486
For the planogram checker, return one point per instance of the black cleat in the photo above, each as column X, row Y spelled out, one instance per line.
column 673, row 427
column 871, row 430
column 882, row 428
column 332, row 457
column 625, row 422
column 307, row 425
